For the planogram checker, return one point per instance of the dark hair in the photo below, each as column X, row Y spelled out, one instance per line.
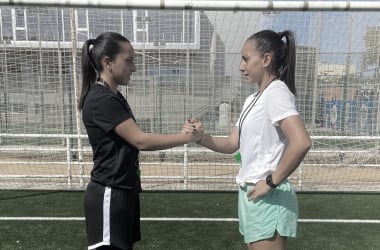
column 283, row 53
column 93, row 51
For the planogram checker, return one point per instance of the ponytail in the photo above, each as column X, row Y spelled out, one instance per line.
column 287, row 68
column 89, row 72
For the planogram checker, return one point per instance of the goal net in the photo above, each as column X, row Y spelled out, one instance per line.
column 187, row 66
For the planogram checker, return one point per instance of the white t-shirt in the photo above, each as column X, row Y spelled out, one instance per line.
column 262, row 142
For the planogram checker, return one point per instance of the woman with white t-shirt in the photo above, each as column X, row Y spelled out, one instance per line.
column 272, row 140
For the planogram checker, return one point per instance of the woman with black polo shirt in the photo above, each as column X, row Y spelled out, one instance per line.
column 111, row 200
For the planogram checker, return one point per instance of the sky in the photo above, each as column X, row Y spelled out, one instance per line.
column 335, row 34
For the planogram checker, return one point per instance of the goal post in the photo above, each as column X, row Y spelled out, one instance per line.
column 218, row 5
column 187, row 59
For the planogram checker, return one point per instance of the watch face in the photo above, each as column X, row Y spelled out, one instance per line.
column 269, row 181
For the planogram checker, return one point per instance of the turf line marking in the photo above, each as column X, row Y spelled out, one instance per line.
column 42, row 218
column 351, row 221
column 187, row 219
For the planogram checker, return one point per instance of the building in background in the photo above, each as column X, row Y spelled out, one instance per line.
column 179, row 57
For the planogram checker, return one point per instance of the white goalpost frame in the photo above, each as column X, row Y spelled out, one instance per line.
column 205, row 5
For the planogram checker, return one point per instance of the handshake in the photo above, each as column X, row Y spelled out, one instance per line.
column 194, row 130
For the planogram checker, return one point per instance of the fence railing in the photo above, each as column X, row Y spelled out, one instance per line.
column 32, row 166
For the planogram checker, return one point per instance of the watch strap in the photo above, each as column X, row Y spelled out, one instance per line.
column 269, row 181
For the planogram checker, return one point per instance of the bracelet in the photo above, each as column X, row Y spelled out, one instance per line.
column 200, row 140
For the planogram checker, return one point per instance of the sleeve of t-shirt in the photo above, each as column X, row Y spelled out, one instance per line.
column 279, row 104
column 109, row 111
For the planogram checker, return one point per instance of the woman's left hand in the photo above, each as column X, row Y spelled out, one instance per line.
column 259, row 190
column 194, row 128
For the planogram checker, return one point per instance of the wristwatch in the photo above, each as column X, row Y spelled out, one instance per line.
column 269, row 181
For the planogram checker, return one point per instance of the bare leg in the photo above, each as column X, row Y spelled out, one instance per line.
column 277, row 242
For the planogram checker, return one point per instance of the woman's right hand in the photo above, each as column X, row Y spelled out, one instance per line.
column 194, row 129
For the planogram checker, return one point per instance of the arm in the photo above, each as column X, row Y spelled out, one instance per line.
column 131, row 133
column 299, row 143
column 227, row 145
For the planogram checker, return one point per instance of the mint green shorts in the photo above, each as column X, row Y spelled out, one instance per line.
column 277, row 211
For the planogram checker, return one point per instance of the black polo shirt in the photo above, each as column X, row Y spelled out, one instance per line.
column 116, row 162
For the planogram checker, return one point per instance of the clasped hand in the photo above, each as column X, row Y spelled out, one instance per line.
column 194, row 129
